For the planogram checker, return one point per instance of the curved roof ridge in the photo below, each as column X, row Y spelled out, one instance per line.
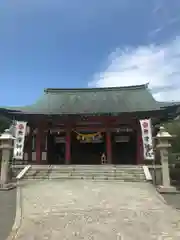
column 133, row 87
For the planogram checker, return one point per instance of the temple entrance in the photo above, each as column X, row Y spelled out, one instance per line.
column 85, row 152
column 88, row 150
column 56, row 149
column 59, row 153
column 124, row 147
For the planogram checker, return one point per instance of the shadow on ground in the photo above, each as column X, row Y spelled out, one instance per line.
column 173, row 200
column 7, row 212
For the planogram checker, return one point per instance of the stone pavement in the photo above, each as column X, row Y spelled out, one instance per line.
column 89, row 210
column 7, row 212
column 172, row 199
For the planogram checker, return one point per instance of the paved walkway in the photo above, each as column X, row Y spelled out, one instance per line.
column 173, row 200
column 72, row 210
column 7, row 212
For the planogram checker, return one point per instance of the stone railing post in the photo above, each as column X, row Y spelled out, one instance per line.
column 6, row 148
column 163, row 144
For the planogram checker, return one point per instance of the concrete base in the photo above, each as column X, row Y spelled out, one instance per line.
column 170, row 189
column 7, row 187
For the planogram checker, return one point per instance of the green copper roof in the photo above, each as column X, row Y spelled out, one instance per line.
column 93, row 100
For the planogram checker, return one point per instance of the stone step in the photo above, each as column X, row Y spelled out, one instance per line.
column 96, row 178
column 72, row 167
column 31, row 172
column 90, row 171
column 84, row 176
column 86, row 166
column 81, row 171
column 107, row 175
column 90, row 168
column 85, row 173
column 96, row 172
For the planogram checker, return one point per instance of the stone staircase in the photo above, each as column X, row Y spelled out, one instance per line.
column 15, row 170
column 131, row 173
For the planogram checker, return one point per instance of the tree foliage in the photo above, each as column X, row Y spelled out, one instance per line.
column 173, row 128
column 4, row 123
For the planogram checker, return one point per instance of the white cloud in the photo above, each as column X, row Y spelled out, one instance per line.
column 158, row 65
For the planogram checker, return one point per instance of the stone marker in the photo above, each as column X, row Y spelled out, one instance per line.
column 6, row 147
column 163, row 145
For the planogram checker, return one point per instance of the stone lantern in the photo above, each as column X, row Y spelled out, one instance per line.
column 163, row 144
column 6, row 148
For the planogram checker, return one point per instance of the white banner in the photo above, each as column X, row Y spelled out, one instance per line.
column 146, row 129
column 20, row 132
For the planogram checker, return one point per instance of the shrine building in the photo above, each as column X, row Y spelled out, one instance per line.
column 77, row 126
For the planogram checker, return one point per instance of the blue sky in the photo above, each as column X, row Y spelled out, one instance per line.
column 82, row 43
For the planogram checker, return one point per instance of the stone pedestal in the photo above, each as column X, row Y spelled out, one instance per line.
column 163, row 145
column 5, row 166
column 6, row 146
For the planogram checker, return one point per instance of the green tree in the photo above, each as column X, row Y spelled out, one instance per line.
column 173, row 128
column 4, row 123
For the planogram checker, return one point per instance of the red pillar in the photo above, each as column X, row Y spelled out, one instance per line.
column 68, row 147
column 38, row 146
column 108, row 147
column 139, row 156
column 30, row 145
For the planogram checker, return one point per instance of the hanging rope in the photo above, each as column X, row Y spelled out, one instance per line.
column 88, row 137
